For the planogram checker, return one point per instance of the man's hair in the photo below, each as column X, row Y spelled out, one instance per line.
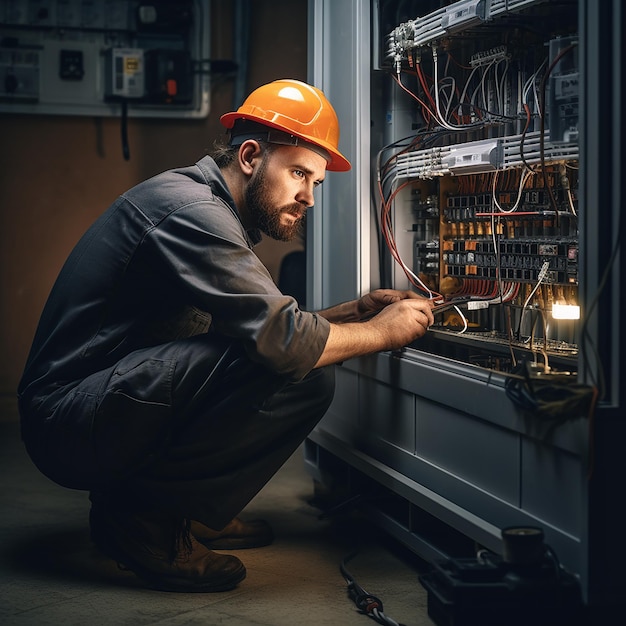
column 225, row 155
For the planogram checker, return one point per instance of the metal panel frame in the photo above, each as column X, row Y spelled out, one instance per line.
column 338, row 46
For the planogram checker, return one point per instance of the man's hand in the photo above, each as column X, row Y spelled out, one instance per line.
column 402, row 321
column 377, row 300
column 387, row 320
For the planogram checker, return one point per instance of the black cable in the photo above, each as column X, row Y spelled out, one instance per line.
column 547, row 398
column 542, row 132
column 124, row 130
column 365, row 602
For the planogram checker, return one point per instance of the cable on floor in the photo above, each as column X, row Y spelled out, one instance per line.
column 365, row 602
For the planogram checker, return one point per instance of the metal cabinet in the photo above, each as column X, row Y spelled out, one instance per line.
column 527, row 204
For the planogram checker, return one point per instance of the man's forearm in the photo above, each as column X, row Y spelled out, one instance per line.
column 349, row 340
column 342, row 313
column 399, row 320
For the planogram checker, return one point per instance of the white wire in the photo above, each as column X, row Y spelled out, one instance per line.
column 537, row 99
column 498, row 87
column 437, row 111
column 440, row 118
column 571, row 202
column 481, row 87
column 510, row 293
column 503, row 85
column 505, row 298
column 465, row 324
column 450, row 97
column 467, row 83
column 531, row 83
column 520, row 192
column 540, row 279
column 483, row 83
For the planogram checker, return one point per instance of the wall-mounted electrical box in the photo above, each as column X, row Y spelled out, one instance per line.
column 124, row 74
column 90, row 57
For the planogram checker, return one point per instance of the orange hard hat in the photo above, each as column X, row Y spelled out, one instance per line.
column 297, row 109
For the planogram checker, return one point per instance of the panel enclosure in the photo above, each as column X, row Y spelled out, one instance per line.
column 101, row 57
column 484, row 139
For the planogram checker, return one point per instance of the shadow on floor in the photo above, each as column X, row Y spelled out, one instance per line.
column 65, row 555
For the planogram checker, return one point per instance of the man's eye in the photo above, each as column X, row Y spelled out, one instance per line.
column 299, row 173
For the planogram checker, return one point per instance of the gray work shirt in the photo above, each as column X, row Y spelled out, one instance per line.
column 171, row 249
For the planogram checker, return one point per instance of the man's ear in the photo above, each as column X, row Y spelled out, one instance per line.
column 249, row 151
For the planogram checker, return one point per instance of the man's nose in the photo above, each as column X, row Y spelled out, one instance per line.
column 305, row 196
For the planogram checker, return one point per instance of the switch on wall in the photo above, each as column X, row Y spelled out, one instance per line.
column 71, row 65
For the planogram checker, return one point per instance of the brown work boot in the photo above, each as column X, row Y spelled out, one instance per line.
column 162, row 552
column 236, row 535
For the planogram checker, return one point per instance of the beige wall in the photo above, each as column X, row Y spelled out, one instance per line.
column 57, row 174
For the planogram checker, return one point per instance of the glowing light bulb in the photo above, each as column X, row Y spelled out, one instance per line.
column 565, row 311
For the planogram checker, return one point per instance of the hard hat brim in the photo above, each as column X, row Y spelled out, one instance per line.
column 337, row 163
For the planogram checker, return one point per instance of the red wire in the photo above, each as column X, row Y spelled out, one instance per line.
column 387, row 231
column 426, row 111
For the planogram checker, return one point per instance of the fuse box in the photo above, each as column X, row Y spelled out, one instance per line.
column 90, row 57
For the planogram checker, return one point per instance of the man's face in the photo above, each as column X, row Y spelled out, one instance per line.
column 281, row 190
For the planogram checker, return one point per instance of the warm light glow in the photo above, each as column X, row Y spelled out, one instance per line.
column 565, row 311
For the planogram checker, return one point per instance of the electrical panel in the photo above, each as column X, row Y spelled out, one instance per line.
column 495, row 192
column 479, row 183
column 93, row 57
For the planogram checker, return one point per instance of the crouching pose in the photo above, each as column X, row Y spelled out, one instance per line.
column 168, row 375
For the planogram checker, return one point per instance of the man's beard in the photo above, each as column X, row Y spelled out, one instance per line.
column 267, row 217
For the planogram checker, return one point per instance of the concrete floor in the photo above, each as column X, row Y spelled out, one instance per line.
column 51, row 574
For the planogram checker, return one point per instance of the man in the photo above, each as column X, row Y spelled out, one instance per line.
column 169, row 376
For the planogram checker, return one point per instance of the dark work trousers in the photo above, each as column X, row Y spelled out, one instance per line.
column 191, row 427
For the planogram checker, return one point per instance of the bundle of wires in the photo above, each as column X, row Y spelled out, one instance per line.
column 387, row 180
column 448, row 110
column 549, row 397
